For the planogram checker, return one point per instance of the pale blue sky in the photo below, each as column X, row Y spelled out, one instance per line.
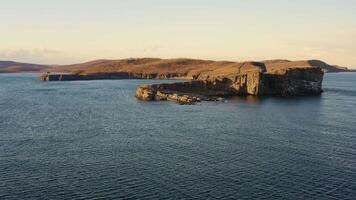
column 69, row 31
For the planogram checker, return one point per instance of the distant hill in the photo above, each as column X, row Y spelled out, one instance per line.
column 176, row 67
column 15, row 67
column 184, row 67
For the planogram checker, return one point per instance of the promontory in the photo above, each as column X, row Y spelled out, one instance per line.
column 204, row 79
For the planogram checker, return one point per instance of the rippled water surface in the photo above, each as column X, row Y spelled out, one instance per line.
column 94, row 140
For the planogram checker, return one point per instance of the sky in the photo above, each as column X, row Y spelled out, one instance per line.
column 73, row 31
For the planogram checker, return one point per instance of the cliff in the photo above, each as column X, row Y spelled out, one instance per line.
column 258, row 82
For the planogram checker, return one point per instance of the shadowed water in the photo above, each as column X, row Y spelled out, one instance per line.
column 94, row 140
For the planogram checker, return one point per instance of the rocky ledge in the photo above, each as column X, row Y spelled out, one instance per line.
column 184, row 93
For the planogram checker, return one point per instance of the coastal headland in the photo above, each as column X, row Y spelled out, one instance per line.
column 205, row 80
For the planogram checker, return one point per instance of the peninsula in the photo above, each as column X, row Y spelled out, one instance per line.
column 205, row 80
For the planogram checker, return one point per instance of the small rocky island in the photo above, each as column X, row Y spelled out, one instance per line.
column 205, row 80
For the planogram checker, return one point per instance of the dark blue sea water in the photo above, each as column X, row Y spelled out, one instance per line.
column 94, row 140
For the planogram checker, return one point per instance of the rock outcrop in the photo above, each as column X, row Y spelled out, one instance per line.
column 152, row 93
column 290, row 82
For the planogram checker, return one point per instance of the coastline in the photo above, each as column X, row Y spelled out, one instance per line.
column 249, row 79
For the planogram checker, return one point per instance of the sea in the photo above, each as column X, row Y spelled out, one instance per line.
column 95, row 140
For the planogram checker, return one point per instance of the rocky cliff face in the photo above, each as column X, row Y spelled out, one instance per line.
column 293, row 82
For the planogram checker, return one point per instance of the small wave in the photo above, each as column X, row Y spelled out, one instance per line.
column 341, row 91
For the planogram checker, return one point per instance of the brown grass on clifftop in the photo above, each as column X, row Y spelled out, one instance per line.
column 186, row 68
